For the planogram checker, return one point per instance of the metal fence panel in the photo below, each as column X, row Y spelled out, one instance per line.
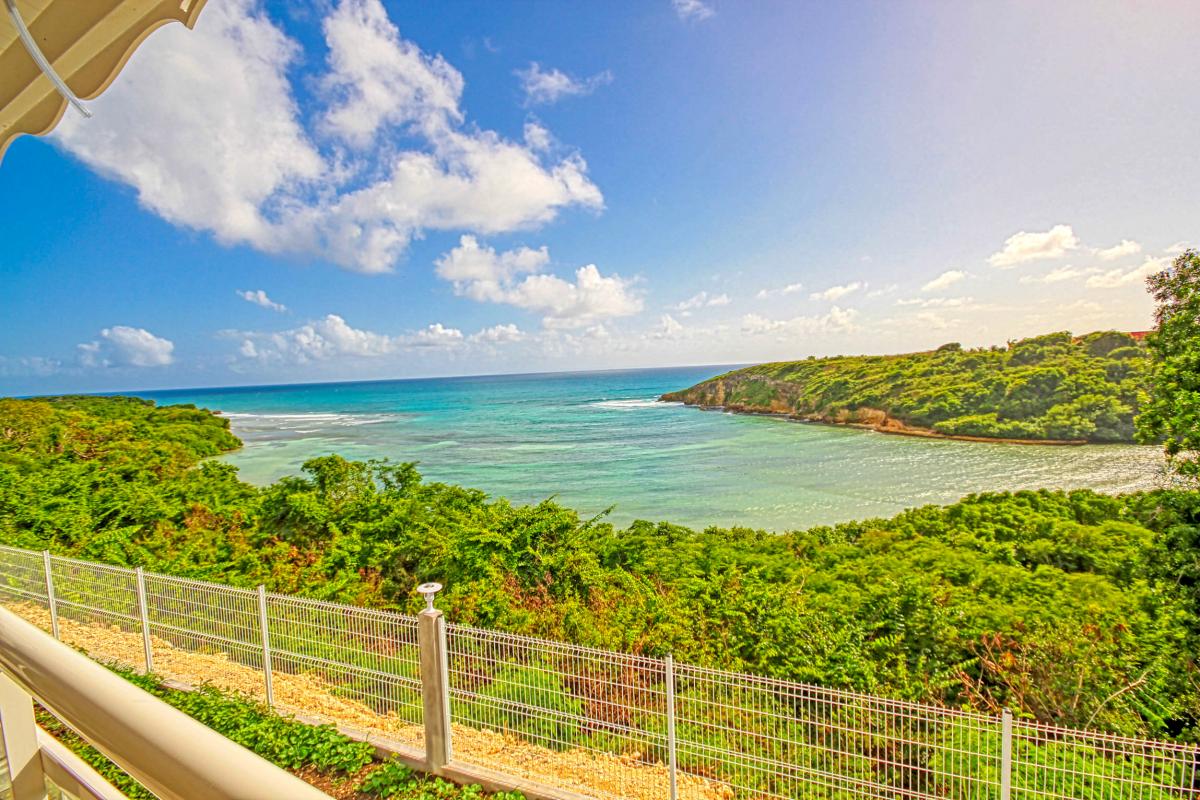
column 582, row 719
column 574, row 717
column 362, row 666
column 104, row 599
column 22, row 578
column 768, row 738
column 1050, row 761
column 206, row 632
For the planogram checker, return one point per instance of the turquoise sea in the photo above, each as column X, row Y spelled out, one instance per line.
column 599, row 439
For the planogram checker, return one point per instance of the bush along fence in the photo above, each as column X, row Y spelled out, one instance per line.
column 560, row 721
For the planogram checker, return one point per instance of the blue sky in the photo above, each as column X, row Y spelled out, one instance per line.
column 355, row 189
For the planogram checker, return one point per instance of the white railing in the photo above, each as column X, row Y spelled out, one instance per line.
column 165, row 750
column 558, row 720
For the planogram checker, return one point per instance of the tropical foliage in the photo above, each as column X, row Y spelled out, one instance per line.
column 1052, row 387
column 1172, row 411
column 1077, row 608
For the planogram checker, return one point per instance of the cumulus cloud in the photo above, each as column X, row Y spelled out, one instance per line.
column 688, row 10
column 483, row 274
column 1115, row 278
column 1025, row 246
column 838, row 320
column 205, row 126
column 944, row 281
column 702, row 299
column 123, row 346
column 1177, row 248
column 436, row 335
column 791, row 288
column 546, row 86
column 515, row 278
column 1059, row 275
column 259, row 298
column 936, row 302
column 1127, row 247
column 668, row 328
column 378, row 79
column 499, row 334
column 332, row 337
column 838, row 292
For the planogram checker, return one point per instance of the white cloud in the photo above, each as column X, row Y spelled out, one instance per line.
column 791, row 288
column 1125, row 277
column 436, row 335
column 692, row 9
column 487, row 276
column 931, row 320
column 376, row 78
column 1059, row 274
column 537, row 137
column 1177, row 248
column 483, row 274
column 1127, row 247
column 499, row 334
column 123, row 346
column 593, row 297
column 332, row 337
column 838, row 292
column 27, row 366
column 259, row 298
column 668, row 328
column 945, row 280
column 702, row 299
column 205, row 126
column 1024, row 246
column 545, row 86
column 838, row 320
column 936, row 302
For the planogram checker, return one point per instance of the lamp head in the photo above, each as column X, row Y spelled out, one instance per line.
column 429, row 591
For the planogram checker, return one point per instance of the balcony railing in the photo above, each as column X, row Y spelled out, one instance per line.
column 162, row 748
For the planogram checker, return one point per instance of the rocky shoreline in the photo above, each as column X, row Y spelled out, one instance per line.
column 869, row 419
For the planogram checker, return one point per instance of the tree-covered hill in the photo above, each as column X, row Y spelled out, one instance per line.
column 1074, row 607
column 1052, row 387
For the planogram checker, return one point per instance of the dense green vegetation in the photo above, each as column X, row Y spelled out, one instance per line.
column 1172, row 408
column 1052, row 387
column 295, row 746
column 1072, row 607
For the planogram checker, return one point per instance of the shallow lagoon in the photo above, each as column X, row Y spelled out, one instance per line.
column 596, row 440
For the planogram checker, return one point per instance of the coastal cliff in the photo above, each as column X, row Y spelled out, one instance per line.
column 1053, row 388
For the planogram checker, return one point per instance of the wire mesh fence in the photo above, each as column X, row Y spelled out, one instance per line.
column 361, row 654
column 608, row 707
column 22, row 577
column 776, row 739
column 206, row 619
column 582, row 720
column 1049, row 761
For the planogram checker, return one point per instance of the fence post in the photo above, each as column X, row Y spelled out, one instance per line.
column 672, row 766
column 1006, row 755
column 144, row 612
column 50, row 594
column 435, row 680
column 266, row 643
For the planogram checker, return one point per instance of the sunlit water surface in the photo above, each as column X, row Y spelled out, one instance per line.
column 595, row 440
